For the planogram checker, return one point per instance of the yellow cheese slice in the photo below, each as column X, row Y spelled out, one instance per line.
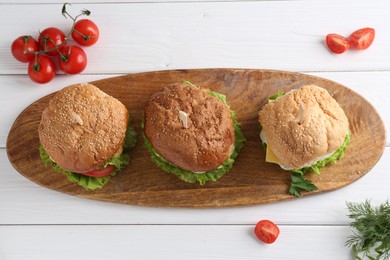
column 270, row 156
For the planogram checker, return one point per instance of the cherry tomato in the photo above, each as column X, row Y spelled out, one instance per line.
column 101, row 172
column 24, row 44
column 362, row 38
column 73, row 60
column 266, row 231
column 42, row 69
column 337, row 43
column 49, row 39
column 85, row 32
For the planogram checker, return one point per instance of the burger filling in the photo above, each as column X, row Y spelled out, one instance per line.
column 98, row 178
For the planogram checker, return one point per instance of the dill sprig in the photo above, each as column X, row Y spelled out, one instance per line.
column 371, row 230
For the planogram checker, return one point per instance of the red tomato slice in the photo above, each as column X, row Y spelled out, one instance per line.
column 99, row 173
column 337, row 43
column 267, row 231
column 362, row 38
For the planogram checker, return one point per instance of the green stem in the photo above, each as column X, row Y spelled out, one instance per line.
column 56, row 47
column 74, row 19
column 85, row 37
column 36, row 66
column 65, row 58
column 45, row 50
column 25, row 40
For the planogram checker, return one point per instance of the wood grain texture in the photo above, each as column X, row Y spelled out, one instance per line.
column 251, row 181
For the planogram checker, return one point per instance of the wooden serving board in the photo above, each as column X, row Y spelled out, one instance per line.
column 251, row 181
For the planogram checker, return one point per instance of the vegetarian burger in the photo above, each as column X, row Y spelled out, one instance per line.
column 191, row 132
column 83, row 133
column 304, row 129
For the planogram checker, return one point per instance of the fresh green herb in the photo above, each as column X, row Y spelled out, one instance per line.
column 371, row 230
column 299, row 183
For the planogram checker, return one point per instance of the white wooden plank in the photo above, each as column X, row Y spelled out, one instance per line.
column 17, row 92
column 170, row 242
column 287, row 35
column 126, row 1
column 37, row 223
column 24, row 202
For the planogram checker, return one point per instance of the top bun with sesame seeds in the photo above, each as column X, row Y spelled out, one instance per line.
column 191, row 129
column 303, row 127
column 82, row 128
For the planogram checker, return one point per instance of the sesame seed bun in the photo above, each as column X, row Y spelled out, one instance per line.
column 303, row 126
column 190, row 128
column 82, row 127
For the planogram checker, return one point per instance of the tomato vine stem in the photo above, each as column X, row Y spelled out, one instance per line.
column 36, row 66
column 74, row 19
column 56, row 47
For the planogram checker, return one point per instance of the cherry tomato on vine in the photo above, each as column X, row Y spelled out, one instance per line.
column 337, row 43
column 362, row 38
column 50, row 39
column 41, row 69
column 266, row 231
column 73, row 60
column 22, row 45
column 85, row 32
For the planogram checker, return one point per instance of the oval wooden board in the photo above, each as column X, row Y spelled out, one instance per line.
column 251, row 181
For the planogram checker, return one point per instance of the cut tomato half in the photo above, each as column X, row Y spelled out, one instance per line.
column 267, row 231
column 362, row 38
column 337, row 43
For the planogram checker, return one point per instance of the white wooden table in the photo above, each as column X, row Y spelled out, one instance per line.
column 138, row 36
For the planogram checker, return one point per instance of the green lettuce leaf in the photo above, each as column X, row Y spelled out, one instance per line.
column 275, row 96
column 92, row 183
column 201, row 178
column 119, row 161
column 87, row 182
column 130, row 139
column 338, row 154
